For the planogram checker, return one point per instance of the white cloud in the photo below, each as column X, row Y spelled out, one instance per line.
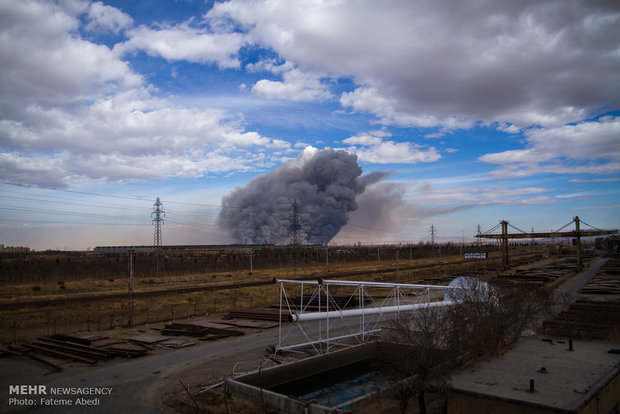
column 374, row 149
column 588, row 147
column 269, row 65
column 505, row 127
column 595, row 180
column 128, row 138
column 363, row 139
column 104, row 18
column 296, row 86
column 184, row 42
column 74, row 111
column 58, row 68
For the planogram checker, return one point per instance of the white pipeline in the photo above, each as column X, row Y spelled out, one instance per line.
column 315, row 316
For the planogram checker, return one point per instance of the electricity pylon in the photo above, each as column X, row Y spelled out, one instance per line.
column 158, row 213
column 295, row 224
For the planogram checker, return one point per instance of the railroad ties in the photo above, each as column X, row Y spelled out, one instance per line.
column 202, row 330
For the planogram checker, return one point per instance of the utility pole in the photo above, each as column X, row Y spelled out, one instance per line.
column 327, row 257
column 130, row 304
column 397, row 254
column 157, row 214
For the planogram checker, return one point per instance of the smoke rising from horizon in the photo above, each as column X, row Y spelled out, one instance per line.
column 325, row 184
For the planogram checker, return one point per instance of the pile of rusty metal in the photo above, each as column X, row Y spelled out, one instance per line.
column 538, row 275
column 72, row 348
column 606, row 281
column 201, row 330
column 258, row 314
column 586, row 319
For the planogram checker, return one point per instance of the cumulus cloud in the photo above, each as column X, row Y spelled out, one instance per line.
column 441, row 63
column 372, row 147
column 73, row 111
column 184, row 42
column 48, row 74
column 587, row 147
column 371, row 100
column 129, row 138
column 104, row 18
column 296, row 86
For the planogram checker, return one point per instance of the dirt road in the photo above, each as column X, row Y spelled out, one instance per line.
column 138, row 385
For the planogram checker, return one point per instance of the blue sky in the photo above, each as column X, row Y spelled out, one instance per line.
column 480, row 111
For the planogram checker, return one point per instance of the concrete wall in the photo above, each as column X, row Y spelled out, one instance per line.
column 605, row 400
column 254, row 386
column 275, row 376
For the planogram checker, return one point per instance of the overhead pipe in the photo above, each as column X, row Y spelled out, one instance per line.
column 449, row 300
column 315, row 316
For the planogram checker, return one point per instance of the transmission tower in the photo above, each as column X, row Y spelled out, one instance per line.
column 295, row 237
column 295, row 225
column 157, row 214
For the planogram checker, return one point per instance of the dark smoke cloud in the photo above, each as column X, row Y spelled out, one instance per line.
column 325, row 184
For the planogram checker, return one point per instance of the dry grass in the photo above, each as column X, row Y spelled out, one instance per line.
column 93, row 309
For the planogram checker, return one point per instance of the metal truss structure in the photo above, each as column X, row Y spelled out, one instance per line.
column 577, row 234
column 329, row 313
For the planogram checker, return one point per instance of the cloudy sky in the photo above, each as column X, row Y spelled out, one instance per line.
column 478, row 111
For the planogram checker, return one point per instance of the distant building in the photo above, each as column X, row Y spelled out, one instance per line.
column 14, row 249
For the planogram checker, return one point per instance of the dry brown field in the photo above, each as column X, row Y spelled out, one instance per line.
column 66, row 293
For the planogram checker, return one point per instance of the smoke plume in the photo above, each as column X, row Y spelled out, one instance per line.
column 324, row 183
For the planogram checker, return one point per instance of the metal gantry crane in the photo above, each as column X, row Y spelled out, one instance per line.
column 577, row 234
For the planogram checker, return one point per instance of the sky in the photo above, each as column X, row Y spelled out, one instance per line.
column 473, row 111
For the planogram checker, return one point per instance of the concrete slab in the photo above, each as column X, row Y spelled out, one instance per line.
column 563, row 380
